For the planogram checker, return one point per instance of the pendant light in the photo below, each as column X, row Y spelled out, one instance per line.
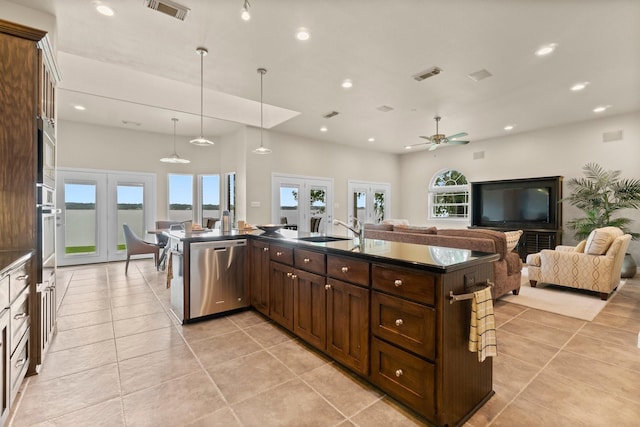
column 174, row 158
column 201, row 140
column 261, row 149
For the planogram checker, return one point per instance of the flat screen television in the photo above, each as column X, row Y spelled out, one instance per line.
column 517, row 204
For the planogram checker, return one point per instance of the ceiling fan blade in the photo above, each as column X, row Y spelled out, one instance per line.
column 458, row 142
column 433, row 147
column 420, row 144
column 428, row 138
column 457, row 135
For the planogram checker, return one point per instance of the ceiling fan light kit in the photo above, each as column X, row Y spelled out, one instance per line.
column 440, row 140
column 201, row 140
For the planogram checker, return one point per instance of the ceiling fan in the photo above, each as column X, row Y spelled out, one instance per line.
column 439, row 139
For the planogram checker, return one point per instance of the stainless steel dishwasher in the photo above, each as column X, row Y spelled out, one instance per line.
column 217, row 282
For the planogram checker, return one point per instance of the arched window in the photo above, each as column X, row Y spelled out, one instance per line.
column 449, row 196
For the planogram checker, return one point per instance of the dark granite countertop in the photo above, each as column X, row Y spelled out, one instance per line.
column 433, row 258
column 11, row 259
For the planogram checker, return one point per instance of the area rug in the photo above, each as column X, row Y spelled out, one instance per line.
column 559, row 299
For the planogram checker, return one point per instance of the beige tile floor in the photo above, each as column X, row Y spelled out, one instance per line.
column 119, row 359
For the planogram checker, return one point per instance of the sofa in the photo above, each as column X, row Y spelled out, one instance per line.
column 507, row 269
column 594, row 264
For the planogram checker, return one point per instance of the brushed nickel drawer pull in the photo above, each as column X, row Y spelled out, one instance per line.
column 20, row 362
column 20, row 316
column 289, row 274
column 265, row 249
column 399, row 373
column 293, row 276
column 398, row 283
column 345, row 269
column 306, row 260
column 327, row 287
column 278, row 253
column 399, row 322
column 22, row 277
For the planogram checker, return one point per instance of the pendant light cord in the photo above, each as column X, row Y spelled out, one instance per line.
column 261, row 108
column 201, row 91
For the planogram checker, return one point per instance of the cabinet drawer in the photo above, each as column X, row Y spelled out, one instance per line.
column 20, row 319
column 18, row 280
column 281, row 254
column 4, row 292
column 412, row 284
column 348, row 269
column 19, row 364
column 404, row 376
column 309, row 260
column 407, row 324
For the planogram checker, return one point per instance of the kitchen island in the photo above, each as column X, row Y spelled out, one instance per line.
column 388, row 311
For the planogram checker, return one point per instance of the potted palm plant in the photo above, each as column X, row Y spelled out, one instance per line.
column 600, row 194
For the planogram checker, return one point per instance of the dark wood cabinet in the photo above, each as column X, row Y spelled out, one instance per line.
column 533, row 241
column 347, row 325
column 281, row 294
column 5, row 356
column 309, row 308
column 259, row 276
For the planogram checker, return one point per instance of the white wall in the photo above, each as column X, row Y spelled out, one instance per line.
column 13, row 12
column 561, row 150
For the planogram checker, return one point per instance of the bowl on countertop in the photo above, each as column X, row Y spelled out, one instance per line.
column 270, row 228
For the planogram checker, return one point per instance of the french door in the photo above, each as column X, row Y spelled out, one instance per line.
column 93, row 206
column 304, row 203
column 369, row 201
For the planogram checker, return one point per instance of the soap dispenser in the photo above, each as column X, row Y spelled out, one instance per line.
column 226, row 222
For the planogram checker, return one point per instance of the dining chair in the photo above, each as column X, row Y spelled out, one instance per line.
column 137, row 246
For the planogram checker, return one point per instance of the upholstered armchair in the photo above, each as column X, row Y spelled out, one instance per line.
column 594, row 264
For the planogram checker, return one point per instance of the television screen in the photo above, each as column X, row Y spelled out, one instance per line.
column 515, row 204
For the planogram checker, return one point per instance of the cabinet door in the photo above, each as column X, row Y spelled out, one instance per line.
column 47, row 311
column 259, row 276
column 348, row 325
column 281, row 294
column 4, row 357
column 309, row 308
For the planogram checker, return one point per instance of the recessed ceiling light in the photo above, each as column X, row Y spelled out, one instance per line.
column 79, row 107
column 509, row 127
column 104, row 9
column 371, row 140
column 601, row 108
column 408, row 147
column 347, row 84
column 579, row 86
column 546, row 49
column 323, row 129
column 303, row 34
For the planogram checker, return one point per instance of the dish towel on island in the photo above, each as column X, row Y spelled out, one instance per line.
column 169, row 270
column 482, row 334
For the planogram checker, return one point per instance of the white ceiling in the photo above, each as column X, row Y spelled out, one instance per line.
column 141, row 66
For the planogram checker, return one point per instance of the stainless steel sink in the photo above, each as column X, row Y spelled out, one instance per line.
column 323, row 239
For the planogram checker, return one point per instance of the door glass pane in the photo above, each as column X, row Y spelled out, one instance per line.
column 210, row 198
column 289, row 212
column 360, row 206
column 180, row 197
column 378, row 206
column 130, row 200
column 318, row 209
column 80, row 218
column 231, row 196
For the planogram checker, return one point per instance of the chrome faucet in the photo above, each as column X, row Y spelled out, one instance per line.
column 358, row 229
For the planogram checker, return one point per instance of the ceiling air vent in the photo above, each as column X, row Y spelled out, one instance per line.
column 427, row 73
column 479, row 75
column 384, row 108
column 170, row 8
column 330, row 114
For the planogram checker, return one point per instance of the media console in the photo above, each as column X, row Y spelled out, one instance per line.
column 533, row 205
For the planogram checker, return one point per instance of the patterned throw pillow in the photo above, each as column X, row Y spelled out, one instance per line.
column 513, row 237
column 598, row 242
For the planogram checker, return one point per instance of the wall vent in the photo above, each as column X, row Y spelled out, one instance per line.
column 330, row 114
column 169, row 7
column 384, row 108
column 434, row 71
column 478, row 155
column 615, row 135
